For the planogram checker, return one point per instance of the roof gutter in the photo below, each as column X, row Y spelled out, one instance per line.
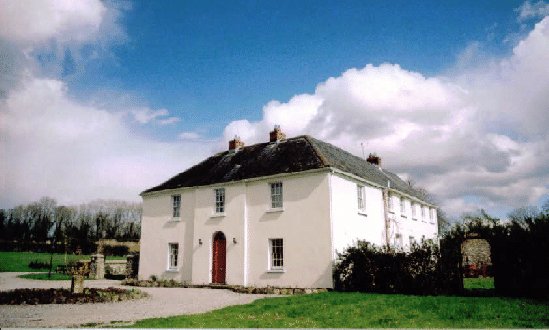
column 260, row 178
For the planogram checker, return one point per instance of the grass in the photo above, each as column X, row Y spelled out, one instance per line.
column 44, row 276
column 19, row 261
column 361, row 310
column 478, row 283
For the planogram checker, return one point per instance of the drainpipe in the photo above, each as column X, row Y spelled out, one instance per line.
column 386, row 214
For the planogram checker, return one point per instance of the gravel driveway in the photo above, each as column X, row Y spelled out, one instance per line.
column 161, row 302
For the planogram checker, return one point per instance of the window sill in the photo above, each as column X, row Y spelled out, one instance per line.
column 403, row 216
column 217, row 215
column 391, row 211
column 172, row 270
column 276, row 271
column 175, row 220
column 275, row 210
column 362, row 213
column 415, row 219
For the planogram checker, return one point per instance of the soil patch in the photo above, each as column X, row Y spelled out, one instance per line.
column 64, row 296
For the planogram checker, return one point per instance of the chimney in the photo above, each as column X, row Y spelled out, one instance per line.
column 276, row 134
column 235, row 144
column 374, row 159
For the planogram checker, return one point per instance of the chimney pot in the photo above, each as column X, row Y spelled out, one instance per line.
column 236, row 143
column 276, row 134
column 374, row 159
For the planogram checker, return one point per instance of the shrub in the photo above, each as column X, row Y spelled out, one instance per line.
column 115, row 250
column 520, row 257
column 37, row 264
column 368, row 268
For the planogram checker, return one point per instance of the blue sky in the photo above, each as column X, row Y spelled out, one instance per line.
column 213, row 62
column 119, row 96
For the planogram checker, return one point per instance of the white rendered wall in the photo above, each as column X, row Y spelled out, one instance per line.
column 158, row 228
column 207, row 223
column 320, row 216
column 304, row 225
column 405, row 224
column 350, row 225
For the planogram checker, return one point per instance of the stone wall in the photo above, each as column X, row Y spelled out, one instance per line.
column 133, row 247
column 99, row 267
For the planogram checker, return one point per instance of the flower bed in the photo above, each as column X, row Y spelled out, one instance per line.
column 162, row 283
column 64, row 296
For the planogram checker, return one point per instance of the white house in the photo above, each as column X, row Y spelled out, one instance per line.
column 275, row 214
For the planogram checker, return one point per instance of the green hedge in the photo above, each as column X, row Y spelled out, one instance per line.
column 367, row 268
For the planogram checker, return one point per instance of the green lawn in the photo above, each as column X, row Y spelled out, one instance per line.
column 359, row 310
column 478, row 283
column 19, row 261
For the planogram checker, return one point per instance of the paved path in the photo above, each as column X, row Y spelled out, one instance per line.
column 161, row 302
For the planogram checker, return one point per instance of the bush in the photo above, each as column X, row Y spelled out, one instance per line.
column 115, row 250
column 520, row 257
column 37, row 264
column 368, row 268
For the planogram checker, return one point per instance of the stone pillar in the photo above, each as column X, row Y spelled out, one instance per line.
column 77, row 283
column 132, row 265
column 97, row 266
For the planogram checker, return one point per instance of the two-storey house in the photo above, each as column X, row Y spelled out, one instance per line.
column 275, row 214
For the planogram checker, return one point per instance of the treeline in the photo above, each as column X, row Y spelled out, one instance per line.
column 45, row 226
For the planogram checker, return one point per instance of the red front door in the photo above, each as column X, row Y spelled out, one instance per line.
column 218, row 259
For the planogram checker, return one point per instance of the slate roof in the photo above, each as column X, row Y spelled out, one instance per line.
column 296, row 154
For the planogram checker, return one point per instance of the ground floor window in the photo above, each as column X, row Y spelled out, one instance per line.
column 173, row 254
column 276, row 248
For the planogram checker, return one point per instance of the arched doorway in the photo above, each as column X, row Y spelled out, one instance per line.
column 218, row 258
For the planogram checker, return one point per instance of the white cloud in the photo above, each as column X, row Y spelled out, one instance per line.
column 146, row 116
column 530, row 10
column 477, row 138
column 32, row 22
column 54, row 146
column 189, row 136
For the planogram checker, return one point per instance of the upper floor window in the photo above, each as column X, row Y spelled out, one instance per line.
column 414, row 211
column 390, row 201
column 276, row 248
column 276, row 195
column 432, row 214
column 423, row 216
column 361, row 198
column 176, row 205
column 173, row 252
column 220, row 200
column 402, row 205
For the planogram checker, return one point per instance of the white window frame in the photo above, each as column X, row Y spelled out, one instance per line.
column 403, row 207
column 414, row 211
column 173, row 256
column 276, row 254
column 423, row 213
column 277, row 195
column 390, row 203
column 432, row 212
column 176, row 206
column 219, row 201
column 361, row 198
